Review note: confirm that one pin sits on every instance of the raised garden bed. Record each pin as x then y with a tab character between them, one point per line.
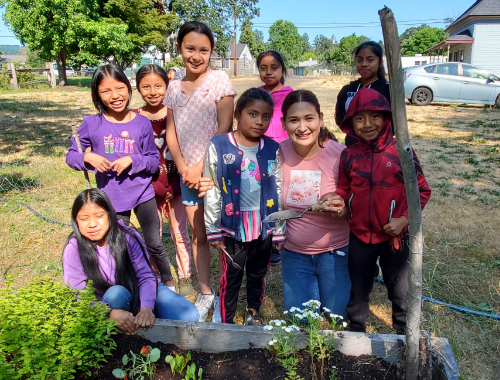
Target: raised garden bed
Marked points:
239	352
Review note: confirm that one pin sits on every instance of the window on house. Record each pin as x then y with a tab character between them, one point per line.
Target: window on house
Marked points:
424	62
417	63
461	55
225	63
447	69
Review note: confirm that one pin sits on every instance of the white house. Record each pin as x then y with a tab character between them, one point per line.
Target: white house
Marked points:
475	37
245	62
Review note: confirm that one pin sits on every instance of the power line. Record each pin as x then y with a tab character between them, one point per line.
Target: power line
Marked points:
355	23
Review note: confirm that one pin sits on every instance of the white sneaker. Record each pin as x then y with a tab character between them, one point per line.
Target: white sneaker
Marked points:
216	318
203	304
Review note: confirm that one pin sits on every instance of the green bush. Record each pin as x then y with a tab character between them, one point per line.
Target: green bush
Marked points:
49	331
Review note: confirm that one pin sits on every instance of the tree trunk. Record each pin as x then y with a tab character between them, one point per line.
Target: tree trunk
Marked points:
61	67
393	52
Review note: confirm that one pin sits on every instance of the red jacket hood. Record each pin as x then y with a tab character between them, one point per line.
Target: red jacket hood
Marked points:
368	99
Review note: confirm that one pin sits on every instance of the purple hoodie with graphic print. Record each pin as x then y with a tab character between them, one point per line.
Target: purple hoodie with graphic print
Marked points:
115	140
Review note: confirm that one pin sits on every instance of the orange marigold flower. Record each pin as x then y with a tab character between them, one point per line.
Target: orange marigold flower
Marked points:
144	350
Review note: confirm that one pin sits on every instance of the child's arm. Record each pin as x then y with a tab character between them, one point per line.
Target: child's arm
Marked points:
173	143
225	115
344	186
213	196
85	161
149	159
279	229
73	273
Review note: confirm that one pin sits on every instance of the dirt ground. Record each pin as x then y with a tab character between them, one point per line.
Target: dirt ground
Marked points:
458	147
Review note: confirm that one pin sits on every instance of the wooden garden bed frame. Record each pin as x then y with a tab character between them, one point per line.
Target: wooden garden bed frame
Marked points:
215	337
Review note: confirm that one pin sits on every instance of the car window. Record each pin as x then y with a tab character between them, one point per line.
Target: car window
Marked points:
430	69
494	77
449	69
473	72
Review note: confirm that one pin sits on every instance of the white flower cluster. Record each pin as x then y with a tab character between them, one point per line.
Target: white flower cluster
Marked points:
277	322
272	342
312	304
336	316
291	328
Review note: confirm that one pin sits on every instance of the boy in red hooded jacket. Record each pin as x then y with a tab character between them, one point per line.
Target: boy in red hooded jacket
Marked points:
371	183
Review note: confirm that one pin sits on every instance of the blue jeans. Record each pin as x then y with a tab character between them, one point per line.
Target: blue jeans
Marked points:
169	304
323	277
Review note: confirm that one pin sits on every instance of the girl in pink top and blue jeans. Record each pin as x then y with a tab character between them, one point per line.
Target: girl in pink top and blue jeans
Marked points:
314	257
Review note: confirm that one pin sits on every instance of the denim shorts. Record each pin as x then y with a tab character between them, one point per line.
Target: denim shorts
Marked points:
190	196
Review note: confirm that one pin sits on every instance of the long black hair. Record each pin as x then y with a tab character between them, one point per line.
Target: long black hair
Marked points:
197	27
278	57
148	69
307	96
375	49
117	242
248	97
109	70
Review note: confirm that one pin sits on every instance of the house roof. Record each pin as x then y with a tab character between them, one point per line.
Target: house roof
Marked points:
464	37
479	8
230	51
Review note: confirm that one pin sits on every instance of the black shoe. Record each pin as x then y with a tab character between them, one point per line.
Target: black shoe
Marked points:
254	320
275	258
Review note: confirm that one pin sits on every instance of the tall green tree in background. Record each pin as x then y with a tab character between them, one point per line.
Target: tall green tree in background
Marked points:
322	45
342	57
306	46
419	39
284	37
252	39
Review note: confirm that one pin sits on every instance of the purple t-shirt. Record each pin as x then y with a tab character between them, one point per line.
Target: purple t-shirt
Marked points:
75	276
115	140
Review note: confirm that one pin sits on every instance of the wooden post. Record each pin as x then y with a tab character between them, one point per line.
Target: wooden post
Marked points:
13	80
79	145
51	74
235	60
393	52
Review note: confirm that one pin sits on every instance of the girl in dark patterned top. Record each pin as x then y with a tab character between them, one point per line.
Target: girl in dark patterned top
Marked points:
152	82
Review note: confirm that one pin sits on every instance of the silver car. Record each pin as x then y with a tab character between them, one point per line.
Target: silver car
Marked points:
451	82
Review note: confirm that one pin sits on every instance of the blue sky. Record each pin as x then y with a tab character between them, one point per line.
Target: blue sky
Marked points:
315	12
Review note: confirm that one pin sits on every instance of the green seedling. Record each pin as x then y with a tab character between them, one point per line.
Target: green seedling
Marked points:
191	372
178	363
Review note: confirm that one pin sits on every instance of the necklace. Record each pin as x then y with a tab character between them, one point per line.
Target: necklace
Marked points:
195	82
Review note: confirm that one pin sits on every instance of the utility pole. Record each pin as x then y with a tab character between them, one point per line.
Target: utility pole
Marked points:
234	53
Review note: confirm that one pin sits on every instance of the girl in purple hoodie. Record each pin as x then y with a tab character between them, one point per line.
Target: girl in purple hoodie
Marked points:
272	71
102	249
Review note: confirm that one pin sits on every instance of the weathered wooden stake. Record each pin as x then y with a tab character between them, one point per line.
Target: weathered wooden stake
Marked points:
51	74
405	151
13	80
79	145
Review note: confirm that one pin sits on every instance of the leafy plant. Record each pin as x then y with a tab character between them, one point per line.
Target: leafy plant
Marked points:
178	363
50	331
191	372
138	365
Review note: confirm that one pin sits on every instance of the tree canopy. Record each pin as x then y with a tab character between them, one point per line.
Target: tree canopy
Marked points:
342	55
322	45
306	46
419	39
254	40
284	37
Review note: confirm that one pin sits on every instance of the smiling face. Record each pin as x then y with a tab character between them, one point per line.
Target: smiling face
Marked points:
196	51
114	95
367	64
270	71
303	124
93	223
368	124
254	119
153	88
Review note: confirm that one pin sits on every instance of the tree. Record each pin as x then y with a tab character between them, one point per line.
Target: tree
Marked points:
33	59
418	40
309	54
249	37
342	55
283	37
306	46
322	44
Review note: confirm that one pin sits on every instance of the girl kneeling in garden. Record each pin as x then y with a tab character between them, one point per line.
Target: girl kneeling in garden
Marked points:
102	249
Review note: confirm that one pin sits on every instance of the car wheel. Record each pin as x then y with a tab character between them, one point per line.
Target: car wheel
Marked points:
497	102
421	96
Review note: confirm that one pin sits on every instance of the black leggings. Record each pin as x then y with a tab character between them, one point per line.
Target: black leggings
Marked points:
147	215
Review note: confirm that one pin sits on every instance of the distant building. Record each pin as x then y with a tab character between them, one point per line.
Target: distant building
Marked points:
13	58
474	37
312	67
244	60
418	59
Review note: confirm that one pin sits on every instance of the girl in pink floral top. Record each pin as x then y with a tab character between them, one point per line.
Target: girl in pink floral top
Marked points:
199	107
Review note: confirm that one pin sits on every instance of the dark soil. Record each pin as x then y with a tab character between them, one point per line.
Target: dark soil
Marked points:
245	364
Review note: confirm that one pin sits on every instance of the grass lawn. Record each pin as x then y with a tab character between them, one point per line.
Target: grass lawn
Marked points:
458	146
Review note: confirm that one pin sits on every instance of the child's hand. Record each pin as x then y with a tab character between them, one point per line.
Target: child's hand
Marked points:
191	176
204	185
120	164
278	246
335	205
102	164
125	320
395	226
216	244
145	318
168	196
